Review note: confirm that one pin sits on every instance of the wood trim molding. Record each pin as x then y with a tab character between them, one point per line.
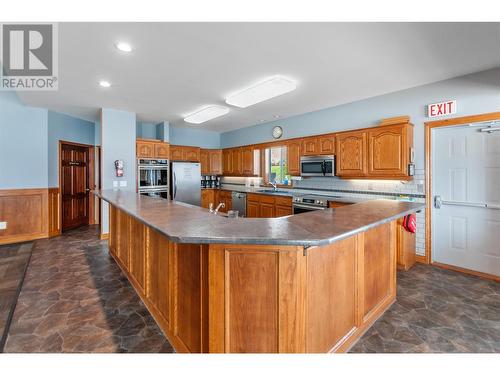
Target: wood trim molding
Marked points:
104	236
26	213
428	169
468	272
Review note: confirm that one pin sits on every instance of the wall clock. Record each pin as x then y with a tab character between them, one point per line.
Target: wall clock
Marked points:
277	132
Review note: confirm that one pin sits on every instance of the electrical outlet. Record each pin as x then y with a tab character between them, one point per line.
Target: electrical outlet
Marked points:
3	225
115	184
123	183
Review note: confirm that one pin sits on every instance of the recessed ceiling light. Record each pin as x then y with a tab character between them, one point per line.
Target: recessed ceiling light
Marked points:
276	116
206	114
262	120
124	47
104	84
260	92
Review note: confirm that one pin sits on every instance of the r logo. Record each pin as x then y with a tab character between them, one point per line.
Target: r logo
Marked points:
27	49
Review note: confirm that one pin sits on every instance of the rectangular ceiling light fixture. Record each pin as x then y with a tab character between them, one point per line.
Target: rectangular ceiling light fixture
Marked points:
265	90
206	114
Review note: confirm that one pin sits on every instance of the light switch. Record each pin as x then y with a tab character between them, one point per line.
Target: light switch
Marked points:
123	183
3	225
115	184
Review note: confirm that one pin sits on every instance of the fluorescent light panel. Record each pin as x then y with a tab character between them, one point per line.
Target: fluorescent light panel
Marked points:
207	114
262	91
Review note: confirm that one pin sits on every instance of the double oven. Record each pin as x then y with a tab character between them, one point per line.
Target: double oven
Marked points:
152	177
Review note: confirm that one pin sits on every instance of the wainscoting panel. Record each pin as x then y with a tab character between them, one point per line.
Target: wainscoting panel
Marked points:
54	212
26	214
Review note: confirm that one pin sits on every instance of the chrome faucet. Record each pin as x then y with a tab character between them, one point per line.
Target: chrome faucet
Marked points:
211	207
274	185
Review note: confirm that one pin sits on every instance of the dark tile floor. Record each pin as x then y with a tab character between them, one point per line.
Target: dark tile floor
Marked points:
13	262
437	310
75	299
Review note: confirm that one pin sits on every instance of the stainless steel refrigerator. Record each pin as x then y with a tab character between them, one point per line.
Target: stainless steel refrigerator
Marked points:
186	180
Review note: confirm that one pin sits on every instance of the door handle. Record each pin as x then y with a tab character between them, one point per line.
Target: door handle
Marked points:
175	186
438	202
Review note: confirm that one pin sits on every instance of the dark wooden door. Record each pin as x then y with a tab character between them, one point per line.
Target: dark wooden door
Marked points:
74	186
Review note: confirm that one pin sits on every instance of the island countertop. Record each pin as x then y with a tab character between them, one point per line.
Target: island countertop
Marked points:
184	223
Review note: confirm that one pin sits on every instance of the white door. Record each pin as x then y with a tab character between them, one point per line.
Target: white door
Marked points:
466	177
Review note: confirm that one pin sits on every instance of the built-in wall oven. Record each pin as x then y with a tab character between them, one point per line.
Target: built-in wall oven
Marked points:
317	166
152	177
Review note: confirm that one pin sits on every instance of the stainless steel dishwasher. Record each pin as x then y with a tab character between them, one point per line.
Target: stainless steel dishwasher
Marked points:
239	202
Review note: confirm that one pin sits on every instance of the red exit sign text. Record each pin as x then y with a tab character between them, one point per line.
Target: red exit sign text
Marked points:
441	109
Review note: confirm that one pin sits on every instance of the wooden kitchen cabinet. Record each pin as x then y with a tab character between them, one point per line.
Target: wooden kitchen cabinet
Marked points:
333	204
310	146
351	157
211	162
262	205
405	248
237	162
326	145
161	150
227	162
389	150
293	154
247	161
215	162
184	153
145	149
208	196
225	197
151	149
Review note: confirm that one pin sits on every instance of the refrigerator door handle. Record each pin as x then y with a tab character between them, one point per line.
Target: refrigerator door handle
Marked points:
175	186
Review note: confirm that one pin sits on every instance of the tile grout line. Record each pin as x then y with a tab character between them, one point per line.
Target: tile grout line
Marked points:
6	329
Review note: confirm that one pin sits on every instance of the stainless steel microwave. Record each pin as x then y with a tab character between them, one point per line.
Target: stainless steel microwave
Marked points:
321	166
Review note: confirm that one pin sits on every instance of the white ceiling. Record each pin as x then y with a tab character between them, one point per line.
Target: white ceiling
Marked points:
177	68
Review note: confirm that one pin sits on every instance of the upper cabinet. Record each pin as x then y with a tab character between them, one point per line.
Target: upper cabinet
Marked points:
151	149
247	160
238	161
381	152
318	145
184	153
227	162
389	150
211	162
293	153
352	154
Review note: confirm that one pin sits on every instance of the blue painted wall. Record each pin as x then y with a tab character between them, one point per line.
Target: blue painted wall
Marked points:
475	93
194	137
65	128
163	131
118	131
23	144
146	130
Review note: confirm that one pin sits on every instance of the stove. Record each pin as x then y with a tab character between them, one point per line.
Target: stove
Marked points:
307	203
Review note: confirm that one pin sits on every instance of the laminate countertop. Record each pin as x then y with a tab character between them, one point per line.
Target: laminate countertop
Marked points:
185	223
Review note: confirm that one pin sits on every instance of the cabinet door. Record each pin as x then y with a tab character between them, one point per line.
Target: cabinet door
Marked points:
205	161
161	150
283	211
237	165
247	161
145	150
293	152
227	157
252	209
176	153
352	154
206	197
387	151
310	146
266	209
216	162
191	153
327	145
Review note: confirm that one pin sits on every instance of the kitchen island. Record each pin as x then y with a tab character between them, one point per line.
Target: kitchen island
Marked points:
313	282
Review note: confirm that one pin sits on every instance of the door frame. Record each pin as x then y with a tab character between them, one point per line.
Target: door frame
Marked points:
91	168
429	126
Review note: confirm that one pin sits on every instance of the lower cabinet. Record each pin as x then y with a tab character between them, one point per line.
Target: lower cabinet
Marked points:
208	196
405	248
225	197
261	205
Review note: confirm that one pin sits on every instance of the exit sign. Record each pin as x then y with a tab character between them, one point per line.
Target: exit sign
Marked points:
442	109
